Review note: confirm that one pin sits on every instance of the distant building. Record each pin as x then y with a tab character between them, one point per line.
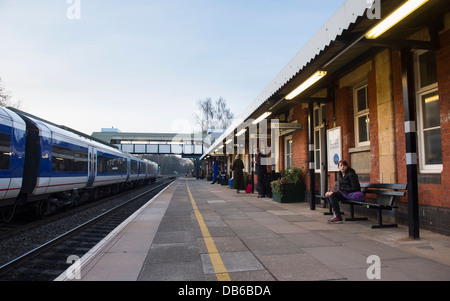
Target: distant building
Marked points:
110	130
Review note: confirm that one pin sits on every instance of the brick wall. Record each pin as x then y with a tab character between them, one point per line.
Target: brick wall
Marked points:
434	194
300	154
344	115
399	117
443	70
373	114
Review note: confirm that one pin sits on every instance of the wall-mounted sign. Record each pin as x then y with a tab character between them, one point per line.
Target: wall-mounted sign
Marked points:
334	148
287	128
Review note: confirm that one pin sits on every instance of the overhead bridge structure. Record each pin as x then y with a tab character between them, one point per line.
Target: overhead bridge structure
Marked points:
186	145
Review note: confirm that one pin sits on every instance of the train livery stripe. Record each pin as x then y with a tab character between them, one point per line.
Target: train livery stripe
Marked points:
10	189
216	260
84	181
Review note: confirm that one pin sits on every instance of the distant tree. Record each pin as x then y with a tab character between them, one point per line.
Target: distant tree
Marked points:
171	164
223	114
213	115
6	98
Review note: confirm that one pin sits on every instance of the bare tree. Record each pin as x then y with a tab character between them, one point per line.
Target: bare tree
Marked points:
6	98
223	114
206	115
213	115
4	95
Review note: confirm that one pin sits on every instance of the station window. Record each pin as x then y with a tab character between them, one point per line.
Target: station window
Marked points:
428	114
319	117
361	109
5	152
288	152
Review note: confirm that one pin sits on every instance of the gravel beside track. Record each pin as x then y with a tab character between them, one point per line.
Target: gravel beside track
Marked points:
25	241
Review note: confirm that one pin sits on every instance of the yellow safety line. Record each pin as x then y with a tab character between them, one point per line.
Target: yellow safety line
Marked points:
216	260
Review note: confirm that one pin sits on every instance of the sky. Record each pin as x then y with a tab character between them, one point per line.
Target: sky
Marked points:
142	66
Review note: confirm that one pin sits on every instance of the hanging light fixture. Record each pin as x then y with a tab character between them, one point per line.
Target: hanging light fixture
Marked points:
395	17
306	84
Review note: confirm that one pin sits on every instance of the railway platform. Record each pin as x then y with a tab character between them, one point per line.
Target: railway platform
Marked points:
195	231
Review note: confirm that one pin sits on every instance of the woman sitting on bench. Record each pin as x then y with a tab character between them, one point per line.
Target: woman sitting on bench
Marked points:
349	189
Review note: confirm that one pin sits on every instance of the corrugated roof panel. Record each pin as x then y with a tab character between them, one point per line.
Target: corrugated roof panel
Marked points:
344	16
340	21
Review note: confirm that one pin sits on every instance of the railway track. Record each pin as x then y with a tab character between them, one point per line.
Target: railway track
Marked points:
28	220
50	259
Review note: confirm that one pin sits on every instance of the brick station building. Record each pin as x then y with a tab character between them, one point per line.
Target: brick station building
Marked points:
385	97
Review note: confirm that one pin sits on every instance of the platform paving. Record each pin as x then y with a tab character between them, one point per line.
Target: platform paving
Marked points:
256	240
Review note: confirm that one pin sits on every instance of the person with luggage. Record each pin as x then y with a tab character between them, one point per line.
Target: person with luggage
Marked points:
238	178
261	172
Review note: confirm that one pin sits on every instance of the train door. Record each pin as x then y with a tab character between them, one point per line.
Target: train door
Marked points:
92	166
5	155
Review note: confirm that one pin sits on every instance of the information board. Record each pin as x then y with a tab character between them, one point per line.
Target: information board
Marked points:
334	148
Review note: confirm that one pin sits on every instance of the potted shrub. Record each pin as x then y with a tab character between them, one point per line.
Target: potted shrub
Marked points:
290	188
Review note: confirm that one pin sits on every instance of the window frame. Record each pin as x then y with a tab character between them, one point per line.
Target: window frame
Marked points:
358	114
5	151
288	155
73	159
420	92
318	125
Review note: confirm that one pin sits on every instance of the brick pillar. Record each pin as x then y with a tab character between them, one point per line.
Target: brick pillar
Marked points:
385	110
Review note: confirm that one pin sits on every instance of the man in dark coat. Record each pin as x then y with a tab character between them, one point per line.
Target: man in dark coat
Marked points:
238	178
261	174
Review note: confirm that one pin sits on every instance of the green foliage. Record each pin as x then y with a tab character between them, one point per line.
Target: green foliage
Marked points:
293	175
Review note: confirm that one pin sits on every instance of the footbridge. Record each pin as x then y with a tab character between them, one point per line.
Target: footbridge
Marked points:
187	145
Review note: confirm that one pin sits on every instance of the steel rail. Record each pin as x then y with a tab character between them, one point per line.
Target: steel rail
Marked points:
7	266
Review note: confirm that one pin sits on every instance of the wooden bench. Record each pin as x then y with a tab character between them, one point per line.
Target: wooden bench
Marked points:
391	191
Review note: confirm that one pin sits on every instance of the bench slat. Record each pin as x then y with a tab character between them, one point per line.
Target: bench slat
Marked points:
364	204
384	192
383	186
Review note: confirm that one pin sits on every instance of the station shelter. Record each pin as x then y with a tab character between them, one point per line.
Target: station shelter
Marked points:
371	87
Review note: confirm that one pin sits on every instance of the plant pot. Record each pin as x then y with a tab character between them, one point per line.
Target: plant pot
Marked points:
291	194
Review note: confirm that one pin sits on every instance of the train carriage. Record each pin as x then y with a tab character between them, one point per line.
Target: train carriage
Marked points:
153	172
55	160
111	166
12	155
49	166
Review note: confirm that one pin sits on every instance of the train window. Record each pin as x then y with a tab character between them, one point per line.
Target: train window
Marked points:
107	164
5	151
101	164
69	160
134	166
119	165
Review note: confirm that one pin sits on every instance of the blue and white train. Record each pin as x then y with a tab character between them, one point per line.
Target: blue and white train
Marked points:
45	166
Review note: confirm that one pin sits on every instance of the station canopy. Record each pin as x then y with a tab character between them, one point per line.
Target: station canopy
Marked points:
338	46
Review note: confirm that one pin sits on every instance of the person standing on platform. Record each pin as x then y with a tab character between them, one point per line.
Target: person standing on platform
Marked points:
216	170
261	172
238	178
